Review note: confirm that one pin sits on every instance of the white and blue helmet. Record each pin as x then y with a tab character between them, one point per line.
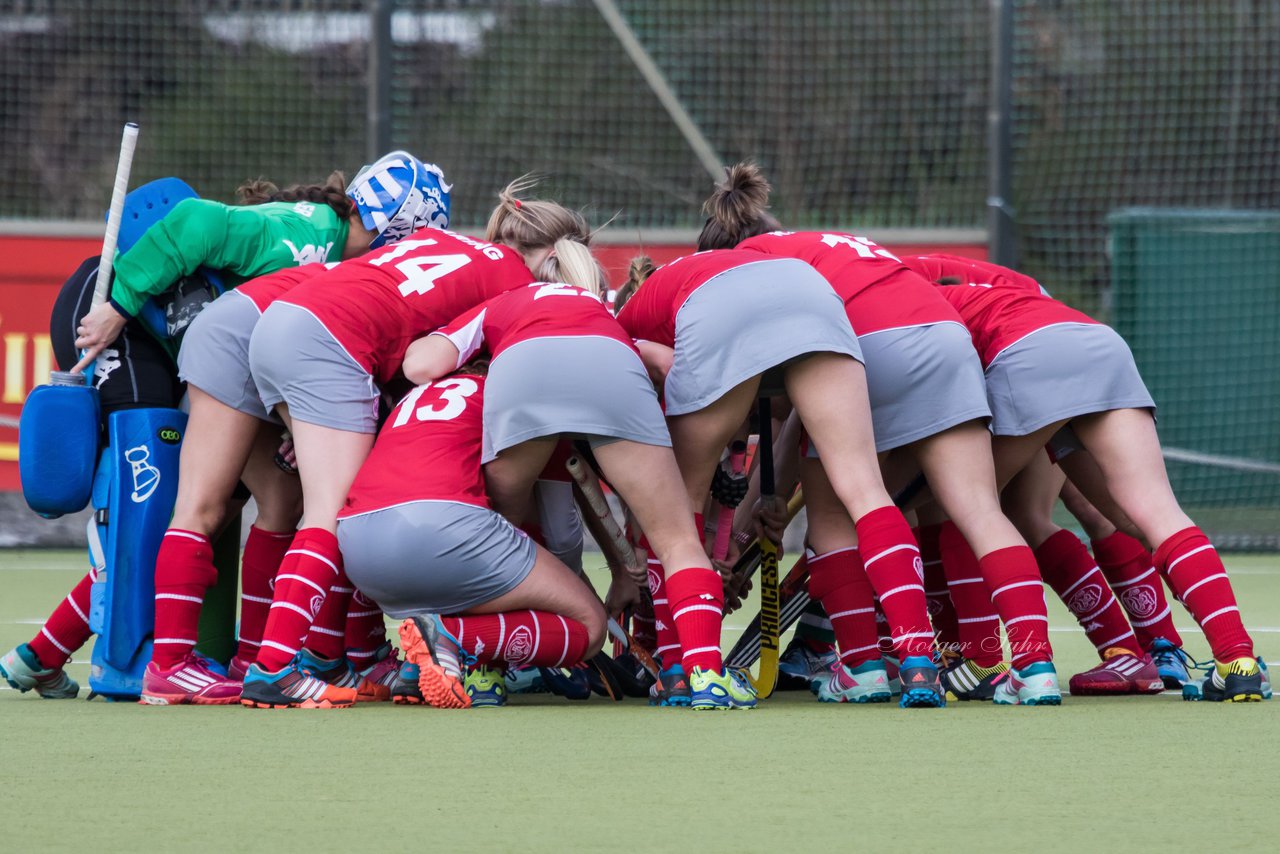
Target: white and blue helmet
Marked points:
399	194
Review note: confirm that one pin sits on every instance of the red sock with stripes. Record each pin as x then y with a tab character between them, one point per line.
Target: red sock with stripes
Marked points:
67	628
838	581
366	631
184	571
1196	574
263	551
308	570
696	598
1067	567
977	623
1018	594
532	638
896	573
1131	572
328	635
941	612
664	626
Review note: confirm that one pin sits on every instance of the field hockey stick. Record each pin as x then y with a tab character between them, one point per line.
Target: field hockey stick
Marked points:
102	286
749	561
724	524
613	542
767	677
795	598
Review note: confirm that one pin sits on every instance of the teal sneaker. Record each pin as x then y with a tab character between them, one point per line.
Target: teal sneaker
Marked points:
671	689
1034	685
485	686
918	676
524	680
866	683
22	669
727	689
405	690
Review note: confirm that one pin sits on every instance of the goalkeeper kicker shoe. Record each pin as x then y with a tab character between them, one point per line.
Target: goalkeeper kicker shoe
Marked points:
965	680
727	689
1034	685
1119	672
921	689
485	686
190	682
866	683
436	653
291	688
22	669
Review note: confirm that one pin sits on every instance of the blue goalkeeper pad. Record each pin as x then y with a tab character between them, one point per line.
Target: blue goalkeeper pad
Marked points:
58	448
133	496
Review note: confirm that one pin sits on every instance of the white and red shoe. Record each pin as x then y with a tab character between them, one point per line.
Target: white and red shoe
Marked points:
1119	672
188	683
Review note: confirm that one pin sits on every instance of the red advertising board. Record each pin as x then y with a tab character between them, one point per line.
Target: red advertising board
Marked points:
33	268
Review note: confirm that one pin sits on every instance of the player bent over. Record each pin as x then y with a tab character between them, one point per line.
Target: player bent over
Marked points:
420	538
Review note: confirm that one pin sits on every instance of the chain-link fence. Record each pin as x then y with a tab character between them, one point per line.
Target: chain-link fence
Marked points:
864	113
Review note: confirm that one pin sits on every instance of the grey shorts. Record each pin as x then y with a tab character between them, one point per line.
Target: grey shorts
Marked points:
578	386
295	360
215	354
751	321
922	380
1059	372
436	557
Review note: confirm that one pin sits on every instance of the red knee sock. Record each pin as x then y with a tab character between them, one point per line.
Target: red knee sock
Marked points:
941	612
533	638
263	551
696	598
838	581
892	561
308	570
327	637
1067	567
1018	594
1195	572
67	628
184	571
1131	572
664	626
977	623
366	631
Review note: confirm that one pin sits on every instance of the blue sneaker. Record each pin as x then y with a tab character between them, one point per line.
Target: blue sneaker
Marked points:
866	683
485	686
405	690
22	669
1171	661
921	688
671	689
524	680
291	688
727	689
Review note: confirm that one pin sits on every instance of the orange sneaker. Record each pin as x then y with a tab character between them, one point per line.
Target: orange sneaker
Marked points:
428	646
290	688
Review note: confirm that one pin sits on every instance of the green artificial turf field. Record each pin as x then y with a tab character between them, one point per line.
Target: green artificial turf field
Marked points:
543	774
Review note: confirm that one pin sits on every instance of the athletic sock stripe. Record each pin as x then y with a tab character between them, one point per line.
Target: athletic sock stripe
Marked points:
537	633
53	640
1017	620
858	649
565	653
1081	580
246	641
259	599
294	608
279	646
199	600
660	650
1142	624
845	550
1015	585
905	588
306	581
1219	613
986	619
697	649
900	638
960	581
351	614
76	608
336	589
1181	558
1134	581
851	613
687	608
186	641
1203	582
330	632
186	535
315	555
1114	640
900	547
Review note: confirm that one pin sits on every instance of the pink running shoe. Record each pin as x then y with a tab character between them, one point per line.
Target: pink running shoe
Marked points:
190	682
238	667
1120	672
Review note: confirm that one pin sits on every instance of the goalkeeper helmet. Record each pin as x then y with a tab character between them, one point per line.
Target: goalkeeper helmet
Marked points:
399	194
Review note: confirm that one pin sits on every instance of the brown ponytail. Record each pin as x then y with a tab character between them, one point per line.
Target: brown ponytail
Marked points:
333	192
737	209
528	225
641	268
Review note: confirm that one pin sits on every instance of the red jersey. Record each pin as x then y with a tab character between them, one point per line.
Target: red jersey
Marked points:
650	314
375	305
265	290
540	310
428	449
999	306
878	290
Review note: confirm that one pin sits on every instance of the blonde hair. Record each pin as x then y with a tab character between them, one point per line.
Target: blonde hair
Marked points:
737	209
641	268
528	225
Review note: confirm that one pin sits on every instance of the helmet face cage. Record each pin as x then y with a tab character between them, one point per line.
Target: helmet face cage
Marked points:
399	194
